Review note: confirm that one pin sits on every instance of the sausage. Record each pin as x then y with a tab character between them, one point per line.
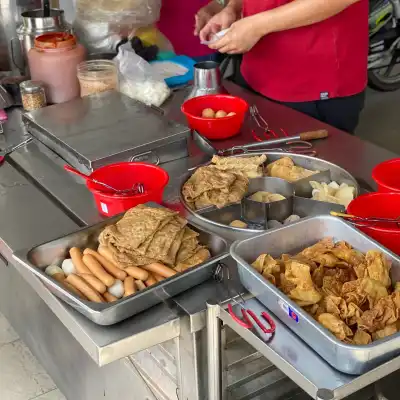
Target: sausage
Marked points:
150	280
94	282
97	270
78	283
76	257
158	277
107	254
109	266
74	290
109	297
140	285
160	269
129	286
137	273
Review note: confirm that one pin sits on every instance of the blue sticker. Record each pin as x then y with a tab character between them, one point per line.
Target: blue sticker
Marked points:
289	311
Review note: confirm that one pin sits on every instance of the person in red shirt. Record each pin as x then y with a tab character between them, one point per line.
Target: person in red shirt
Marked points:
310	55
176	23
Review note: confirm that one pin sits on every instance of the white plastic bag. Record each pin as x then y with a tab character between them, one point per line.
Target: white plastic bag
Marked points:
138	80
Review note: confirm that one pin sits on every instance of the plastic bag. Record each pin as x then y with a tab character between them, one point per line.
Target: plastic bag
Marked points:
138	80
100	24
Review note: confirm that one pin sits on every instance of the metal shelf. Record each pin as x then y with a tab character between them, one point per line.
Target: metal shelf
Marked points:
288	353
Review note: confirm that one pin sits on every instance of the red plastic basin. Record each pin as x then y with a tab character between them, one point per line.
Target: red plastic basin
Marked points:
381	205
215	128
387	175
124	175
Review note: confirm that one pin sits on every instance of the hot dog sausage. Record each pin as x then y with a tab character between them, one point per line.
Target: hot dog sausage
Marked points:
107	265
160	269
158	277
76	257
94	282
140	285
78	283
97	270
109	297
150	281
137	273
107	254
74	290
129	286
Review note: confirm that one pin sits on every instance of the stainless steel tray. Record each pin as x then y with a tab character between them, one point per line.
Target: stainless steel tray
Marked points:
211	214
93	131
290	239
38	258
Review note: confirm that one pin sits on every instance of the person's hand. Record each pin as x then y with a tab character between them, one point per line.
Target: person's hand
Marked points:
222	20
241	37
205	14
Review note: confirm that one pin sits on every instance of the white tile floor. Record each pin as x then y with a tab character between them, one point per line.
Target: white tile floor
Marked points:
21	375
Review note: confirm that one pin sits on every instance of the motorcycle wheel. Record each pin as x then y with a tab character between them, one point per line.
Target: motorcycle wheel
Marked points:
383	79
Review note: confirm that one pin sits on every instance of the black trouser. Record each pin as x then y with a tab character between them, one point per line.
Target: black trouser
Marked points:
341	112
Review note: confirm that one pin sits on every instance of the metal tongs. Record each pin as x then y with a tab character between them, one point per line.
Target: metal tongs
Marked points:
137	188
10	149
246	322
366	221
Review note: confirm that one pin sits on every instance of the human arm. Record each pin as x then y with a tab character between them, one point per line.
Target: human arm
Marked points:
221	20
205	14
244	34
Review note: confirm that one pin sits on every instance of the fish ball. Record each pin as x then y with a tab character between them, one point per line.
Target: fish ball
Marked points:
220	114
208	113
68	267
117	289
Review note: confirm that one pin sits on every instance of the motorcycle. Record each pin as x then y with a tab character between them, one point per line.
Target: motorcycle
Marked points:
384	47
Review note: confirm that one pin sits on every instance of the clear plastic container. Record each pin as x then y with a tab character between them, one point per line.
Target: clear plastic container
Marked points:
54	60
97	76
33	95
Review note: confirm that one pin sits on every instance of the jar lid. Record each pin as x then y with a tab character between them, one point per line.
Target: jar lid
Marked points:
55	41
31	86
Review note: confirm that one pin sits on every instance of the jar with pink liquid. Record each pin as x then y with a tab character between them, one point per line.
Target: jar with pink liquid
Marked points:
53	60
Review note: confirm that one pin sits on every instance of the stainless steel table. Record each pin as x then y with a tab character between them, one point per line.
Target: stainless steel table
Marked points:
162	351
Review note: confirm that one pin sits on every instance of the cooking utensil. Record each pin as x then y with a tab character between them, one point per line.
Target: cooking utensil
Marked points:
222	275
290	239
207	79
379	205
46	8
387	175
215	128
9	150
38	258
366	221
295	146
137	188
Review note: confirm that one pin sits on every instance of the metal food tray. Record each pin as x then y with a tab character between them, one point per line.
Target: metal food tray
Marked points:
209	214
291	239
38	258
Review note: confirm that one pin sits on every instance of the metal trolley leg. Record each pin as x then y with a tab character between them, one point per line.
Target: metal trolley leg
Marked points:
214	351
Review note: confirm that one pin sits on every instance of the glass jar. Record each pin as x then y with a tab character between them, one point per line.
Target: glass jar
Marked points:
97	76
33	95
54	60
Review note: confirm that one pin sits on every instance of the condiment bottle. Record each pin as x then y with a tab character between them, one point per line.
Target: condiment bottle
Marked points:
33	95
54	60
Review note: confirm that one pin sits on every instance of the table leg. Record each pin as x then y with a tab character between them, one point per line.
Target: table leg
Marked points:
214	351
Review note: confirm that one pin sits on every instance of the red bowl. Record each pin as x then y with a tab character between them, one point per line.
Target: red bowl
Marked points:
387	175
124	175
381	205
215	128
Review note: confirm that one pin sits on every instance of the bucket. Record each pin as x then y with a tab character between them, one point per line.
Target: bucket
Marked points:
387	175
124	175
381	205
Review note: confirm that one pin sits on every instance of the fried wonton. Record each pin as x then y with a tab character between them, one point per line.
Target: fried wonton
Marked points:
304	291
267	267
252	167
378	267
335	325
361	338
386	331
284	168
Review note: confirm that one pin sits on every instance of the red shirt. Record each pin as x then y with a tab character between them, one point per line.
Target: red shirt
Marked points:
320	61
177	24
